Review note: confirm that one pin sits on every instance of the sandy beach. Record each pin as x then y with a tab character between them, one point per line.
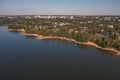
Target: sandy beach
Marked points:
117	53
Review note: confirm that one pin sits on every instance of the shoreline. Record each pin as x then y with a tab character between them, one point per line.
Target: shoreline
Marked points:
117	53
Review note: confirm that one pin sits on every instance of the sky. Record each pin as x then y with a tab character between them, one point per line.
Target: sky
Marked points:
59	7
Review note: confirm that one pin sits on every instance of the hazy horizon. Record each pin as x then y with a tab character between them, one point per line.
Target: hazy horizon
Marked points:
59	7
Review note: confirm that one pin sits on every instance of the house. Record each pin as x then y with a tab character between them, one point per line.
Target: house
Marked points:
110	26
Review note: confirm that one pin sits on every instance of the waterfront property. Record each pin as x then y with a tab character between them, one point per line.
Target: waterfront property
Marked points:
28	58
101	30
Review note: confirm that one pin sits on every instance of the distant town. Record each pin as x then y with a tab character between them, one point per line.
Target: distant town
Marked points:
102	30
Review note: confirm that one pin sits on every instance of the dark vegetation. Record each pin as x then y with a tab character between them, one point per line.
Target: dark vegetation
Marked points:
104	31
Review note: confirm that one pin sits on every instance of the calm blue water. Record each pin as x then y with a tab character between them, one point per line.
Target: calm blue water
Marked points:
26	58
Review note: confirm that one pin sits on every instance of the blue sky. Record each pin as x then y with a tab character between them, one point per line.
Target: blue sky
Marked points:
59	7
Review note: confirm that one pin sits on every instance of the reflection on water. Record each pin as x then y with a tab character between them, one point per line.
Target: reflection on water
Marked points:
58	41
108	53
30	37
27	58
82	46
66	42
